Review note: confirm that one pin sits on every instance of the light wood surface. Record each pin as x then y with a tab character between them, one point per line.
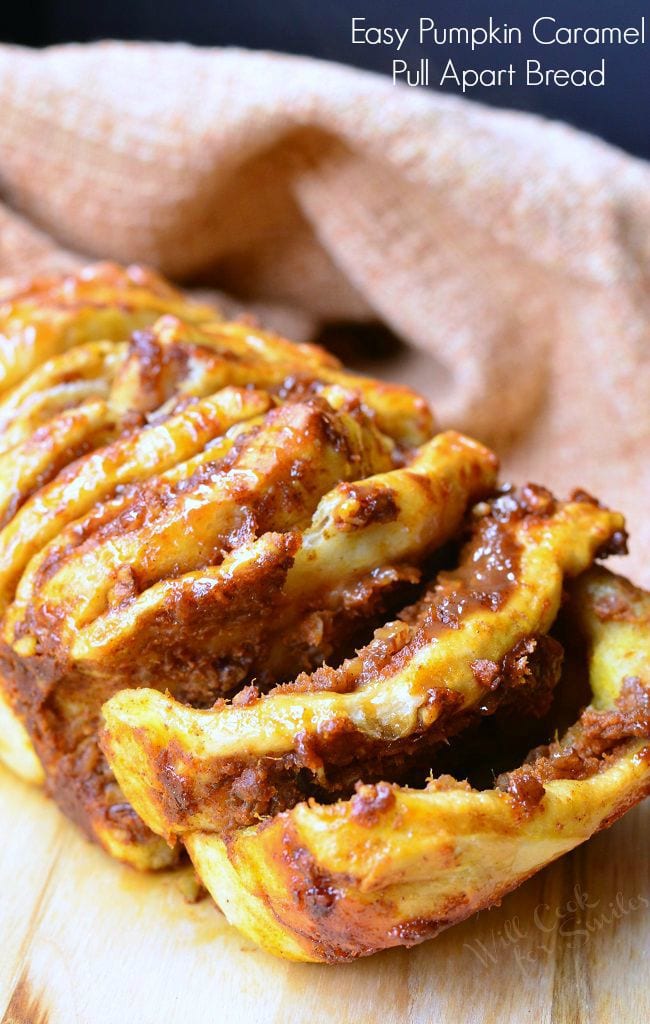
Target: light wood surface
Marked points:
87	941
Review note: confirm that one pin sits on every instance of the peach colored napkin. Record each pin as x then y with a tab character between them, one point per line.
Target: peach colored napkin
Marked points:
510	253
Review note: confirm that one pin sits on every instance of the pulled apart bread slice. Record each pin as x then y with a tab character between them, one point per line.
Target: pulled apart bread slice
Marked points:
452	656
394	866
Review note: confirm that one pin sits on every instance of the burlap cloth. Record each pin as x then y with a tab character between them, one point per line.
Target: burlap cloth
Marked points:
511	254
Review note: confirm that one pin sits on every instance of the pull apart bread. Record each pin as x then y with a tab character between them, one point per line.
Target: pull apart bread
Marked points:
254	606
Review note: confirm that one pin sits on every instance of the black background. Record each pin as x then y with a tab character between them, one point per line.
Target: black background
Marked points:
619	112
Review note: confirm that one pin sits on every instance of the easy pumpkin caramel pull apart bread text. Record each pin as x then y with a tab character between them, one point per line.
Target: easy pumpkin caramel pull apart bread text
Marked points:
255	606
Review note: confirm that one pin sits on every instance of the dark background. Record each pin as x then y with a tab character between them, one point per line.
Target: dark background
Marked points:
619	112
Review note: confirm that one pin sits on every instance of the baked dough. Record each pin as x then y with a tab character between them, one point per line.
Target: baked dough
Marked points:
300	608
394	866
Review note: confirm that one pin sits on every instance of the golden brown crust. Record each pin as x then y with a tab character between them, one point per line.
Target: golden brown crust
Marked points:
205	508
47	316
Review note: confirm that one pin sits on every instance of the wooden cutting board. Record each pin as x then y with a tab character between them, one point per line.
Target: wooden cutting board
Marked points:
87	941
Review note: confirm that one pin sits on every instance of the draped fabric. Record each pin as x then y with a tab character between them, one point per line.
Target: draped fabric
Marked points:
510	254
